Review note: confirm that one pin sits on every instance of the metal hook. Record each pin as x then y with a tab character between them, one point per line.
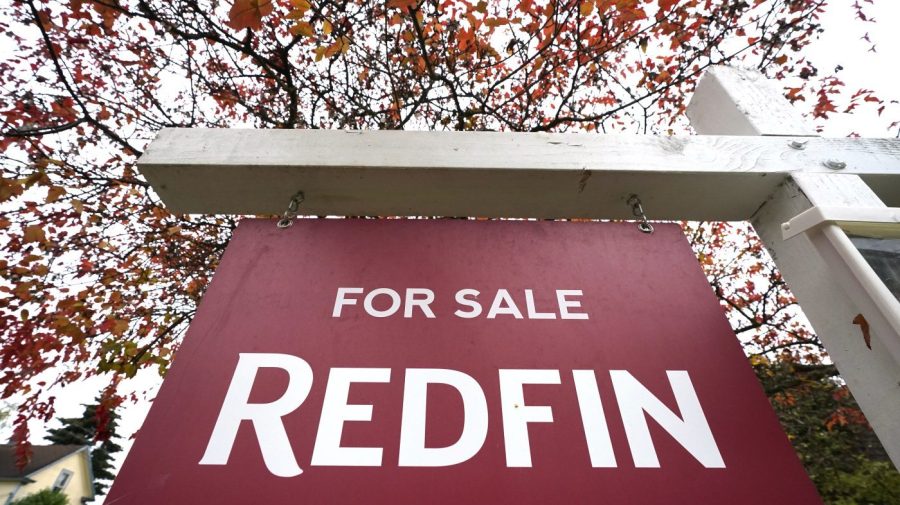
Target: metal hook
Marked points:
287	219
638	211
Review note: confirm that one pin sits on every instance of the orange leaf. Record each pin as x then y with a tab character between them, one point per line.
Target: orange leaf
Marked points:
402	4
248	13
333	49
586	8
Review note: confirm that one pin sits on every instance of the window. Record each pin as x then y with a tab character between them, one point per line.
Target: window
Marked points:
883	255
62	480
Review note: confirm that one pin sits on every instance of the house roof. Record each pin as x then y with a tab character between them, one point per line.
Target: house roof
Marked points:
42	456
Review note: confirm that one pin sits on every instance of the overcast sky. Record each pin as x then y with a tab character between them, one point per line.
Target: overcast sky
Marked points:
841	44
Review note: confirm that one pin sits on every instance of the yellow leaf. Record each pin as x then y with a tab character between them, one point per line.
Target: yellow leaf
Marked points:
35	233
302	28
10	188
320	52
757	360
301	5
586	8
326	28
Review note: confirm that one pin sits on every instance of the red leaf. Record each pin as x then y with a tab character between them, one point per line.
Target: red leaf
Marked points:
665	5
248	13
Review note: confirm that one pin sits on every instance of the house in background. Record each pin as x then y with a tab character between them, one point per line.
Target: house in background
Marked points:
63	467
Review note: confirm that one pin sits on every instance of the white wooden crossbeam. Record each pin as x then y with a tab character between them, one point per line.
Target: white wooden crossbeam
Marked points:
492	174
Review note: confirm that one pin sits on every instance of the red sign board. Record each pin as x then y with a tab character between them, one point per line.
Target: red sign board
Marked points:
449	362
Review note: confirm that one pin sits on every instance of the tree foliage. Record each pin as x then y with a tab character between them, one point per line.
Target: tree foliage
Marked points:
839	450
43	497
6	412
86	430
99	278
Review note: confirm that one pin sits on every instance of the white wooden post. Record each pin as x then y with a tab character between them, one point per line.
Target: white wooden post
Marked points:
873	375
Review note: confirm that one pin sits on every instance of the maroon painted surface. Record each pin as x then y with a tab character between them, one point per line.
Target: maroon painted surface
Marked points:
650	307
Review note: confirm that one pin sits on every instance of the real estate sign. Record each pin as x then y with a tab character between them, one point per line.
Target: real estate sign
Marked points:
460	362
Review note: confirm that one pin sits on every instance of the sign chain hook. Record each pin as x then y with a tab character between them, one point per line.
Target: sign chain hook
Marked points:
638	210
287	219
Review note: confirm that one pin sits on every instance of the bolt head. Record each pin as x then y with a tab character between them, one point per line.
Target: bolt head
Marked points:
834	164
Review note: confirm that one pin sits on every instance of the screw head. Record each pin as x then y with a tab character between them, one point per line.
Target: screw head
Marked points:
835	164
798	144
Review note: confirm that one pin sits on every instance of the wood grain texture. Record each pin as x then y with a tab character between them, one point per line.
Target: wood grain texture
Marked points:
736	101
490	174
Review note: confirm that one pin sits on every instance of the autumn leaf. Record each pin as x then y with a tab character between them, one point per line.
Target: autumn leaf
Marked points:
119	327
794	95
665	5
54	194
586	8
10	188
403	5
301	5
860	321
302	28
35	233
345	44
248	13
